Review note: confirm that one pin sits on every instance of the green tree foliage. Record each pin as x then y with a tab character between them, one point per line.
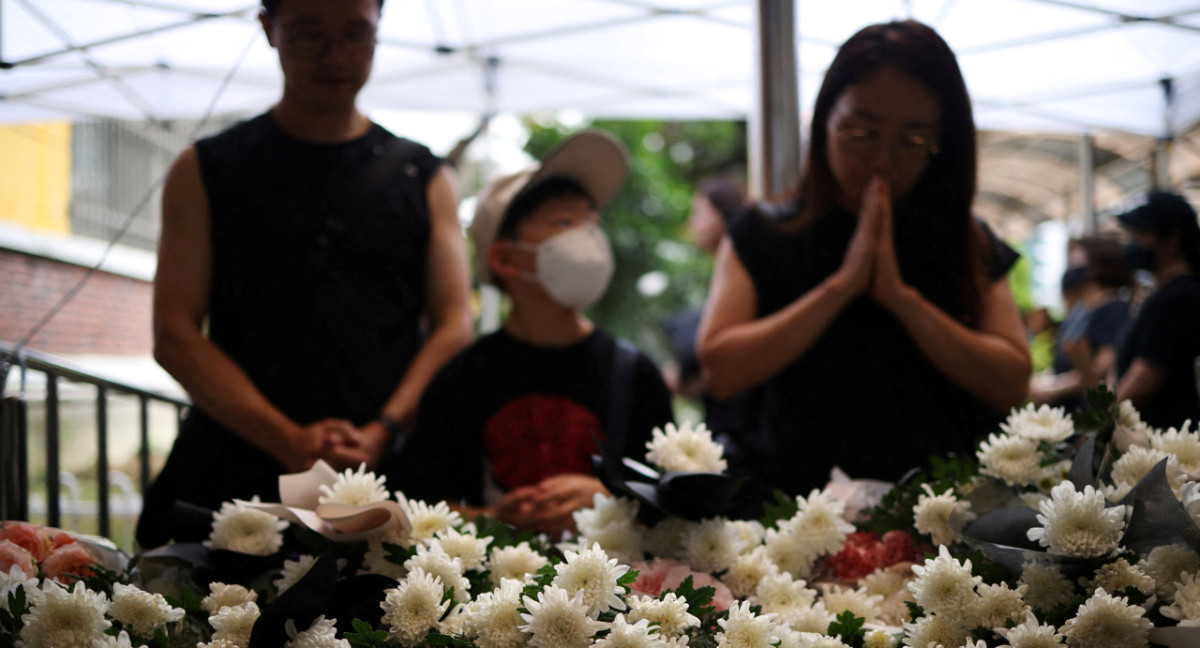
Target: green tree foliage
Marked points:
647	220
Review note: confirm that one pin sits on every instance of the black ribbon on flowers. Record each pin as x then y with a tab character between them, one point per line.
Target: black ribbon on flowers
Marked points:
1157	517
320	592
689	495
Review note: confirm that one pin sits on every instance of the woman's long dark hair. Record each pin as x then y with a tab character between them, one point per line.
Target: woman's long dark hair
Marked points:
937	211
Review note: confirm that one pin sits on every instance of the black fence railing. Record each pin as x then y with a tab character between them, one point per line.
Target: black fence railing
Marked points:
15	484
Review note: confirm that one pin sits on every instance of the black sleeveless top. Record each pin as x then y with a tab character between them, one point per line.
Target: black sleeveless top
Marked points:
318	275
863	397
319	255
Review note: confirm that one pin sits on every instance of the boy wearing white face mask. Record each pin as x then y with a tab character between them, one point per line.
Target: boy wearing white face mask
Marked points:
508	427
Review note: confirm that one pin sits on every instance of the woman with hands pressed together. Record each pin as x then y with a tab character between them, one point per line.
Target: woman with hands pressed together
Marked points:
872	306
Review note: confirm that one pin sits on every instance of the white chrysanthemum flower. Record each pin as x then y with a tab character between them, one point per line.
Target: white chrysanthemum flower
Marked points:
999	604
595	575
1182	444
1013	459
321	634
891	583
222	595
141	611
712	545
1033	500
376	560
1106	621
432	559
292	572
1128	416
877	638
622	634
820	524
752	532
233	623
934	629
944	586
559	620
778	591
670	613
1052	475
1186	608
1138	461
1046	586
745	629
412	609
665	539
468	548
623	541
218	643
519	563
122	640
15	578
1118	575
932	514
494	619
1078	524
1043	423
814	618
1166	564
685	449
352	488
605	510
237	527
788	552
455	623
62	617
1031	634
428	520
813	640
748	570
838	599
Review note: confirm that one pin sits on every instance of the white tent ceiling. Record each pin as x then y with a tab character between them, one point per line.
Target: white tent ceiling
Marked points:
1046	65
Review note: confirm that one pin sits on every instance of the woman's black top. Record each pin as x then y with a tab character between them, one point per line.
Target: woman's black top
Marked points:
863	397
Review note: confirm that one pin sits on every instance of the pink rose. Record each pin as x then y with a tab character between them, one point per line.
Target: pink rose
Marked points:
68	563
30	536
661	574
11	554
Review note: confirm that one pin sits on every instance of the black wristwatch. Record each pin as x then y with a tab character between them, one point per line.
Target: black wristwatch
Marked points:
394	430
390	424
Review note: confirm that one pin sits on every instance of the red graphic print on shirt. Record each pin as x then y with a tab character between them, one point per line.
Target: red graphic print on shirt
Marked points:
539	435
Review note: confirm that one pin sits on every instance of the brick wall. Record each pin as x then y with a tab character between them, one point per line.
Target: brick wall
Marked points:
110	315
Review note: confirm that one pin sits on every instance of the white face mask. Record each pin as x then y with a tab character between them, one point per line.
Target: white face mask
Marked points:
574	267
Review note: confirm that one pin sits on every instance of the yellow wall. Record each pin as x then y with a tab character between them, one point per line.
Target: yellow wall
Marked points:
35	176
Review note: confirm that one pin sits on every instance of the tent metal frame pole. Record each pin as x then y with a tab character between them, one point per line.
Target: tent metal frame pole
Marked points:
775	122
1087	183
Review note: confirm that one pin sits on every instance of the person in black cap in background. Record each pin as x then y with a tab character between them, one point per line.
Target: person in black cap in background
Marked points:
1155	367
508	427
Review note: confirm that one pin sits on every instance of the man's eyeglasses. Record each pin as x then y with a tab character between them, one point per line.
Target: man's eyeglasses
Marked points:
865	142
307	43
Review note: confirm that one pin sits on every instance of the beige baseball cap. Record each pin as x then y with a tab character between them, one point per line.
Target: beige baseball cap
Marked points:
593	158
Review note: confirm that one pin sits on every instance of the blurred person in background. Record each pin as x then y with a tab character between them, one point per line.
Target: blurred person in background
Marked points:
1156	363
1085	350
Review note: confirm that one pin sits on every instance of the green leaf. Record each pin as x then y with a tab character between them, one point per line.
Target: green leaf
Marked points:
848	626
783	508
364	636
699	600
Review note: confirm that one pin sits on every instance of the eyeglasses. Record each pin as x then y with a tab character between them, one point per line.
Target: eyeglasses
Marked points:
359	42
865	142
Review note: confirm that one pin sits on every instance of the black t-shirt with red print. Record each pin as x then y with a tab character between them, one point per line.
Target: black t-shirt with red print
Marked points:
521	413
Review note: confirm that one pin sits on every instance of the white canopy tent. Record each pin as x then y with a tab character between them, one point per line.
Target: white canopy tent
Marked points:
1051	65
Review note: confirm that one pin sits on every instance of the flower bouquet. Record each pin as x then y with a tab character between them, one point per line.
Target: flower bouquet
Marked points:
1083	534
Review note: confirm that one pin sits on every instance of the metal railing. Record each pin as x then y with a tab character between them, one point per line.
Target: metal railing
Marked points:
14	435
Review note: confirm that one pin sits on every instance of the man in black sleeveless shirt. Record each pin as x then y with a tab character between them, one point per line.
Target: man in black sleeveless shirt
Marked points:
312	278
